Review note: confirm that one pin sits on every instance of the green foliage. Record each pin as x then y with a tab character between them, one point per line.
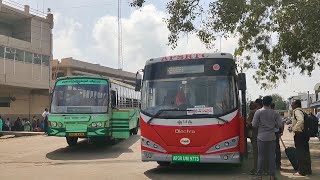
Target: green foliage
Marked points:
285	34
280	103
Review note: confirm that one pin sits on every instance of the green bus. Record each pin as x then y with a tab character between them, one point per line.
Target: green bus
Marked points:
96	108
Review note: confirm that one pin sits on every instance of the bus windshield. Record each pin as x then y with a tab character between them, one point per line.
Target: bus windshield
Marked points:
199	96
80	98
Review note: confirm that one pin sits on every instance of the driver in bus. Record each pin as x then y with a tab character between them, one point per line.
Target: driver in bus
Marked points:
181	100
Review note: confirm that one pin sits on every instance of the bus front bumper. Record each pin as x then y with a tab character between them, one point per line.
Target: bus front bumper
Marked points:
229	158
90	132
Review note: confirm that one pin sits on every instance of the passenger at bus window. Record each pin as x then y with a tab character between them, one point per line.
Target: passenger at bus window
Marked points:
181	100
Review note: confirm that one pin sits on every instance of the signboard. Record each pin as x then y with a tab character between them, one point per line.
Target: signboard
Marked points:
200	110
185	69
81	81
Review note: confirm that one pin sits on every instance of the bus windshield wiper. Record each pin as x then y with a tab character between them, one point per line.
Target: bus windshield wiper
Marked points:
223	120
219	118
164	110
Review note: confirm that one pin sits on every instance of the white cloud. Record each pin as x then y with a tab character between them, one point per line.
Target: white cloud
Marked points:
145	36
66	38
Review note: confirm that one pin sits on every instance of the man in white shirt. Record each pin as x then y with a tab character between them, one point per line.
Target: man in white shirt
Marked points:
45	119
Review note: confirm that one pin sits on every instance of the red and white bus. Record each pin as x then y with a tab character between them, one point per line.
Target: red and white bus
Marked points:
191	109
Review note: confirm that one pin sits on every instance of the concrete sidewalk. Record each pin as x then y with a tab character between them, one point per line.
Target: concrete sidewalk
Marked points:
20	133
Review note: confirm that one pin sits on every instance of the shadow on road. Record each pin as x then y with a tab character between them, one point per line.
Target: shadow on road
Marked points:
205	171
85	151
200	171
227	172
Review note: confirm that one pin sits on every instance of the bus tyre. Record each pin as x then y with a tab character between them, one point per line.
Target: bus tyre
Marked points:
136	129
72	141
163	163
113	141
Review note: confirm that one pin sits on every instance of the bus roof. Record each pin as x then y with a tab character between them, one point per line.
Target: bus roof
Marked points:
80	77
190	56
97	77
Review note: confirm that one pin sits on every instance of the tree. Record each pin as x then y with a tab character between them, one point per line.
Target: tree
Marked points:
280	104
285	34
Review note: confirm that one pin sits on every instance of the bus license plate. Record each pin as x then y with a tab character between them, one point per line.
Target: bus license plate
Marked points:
189	158
76	134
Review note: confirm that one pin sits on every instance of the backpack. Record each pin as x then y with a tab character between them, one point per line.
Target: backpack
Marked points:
310	124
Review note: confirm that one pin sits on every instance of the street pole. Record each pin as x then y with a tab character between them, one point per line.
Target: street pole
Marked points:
308	100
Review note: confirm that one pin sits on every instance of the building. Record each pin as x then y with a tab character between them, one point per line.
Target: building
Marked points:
27	71
306	101
316	103
73	67
25	53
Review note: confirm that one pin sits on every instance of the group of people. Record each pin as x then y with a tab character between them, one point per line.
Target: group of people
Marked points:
36	125
265	130
18	125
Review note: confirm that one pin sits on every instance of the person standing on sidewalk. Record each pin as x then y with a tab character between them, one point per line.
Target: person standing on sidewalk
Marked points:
265	120
254	106
301	140
1	124
278	133
45	115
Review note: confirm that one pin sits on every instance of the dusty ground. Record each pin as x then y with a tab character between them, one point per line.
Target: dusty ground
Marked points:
41	157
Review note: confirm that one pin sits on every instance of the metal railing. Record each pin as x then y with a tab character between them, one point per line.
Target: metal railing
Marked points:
22	8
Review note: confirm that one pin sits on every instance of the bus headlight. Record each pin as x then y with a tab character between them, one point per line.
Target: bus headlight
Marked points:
99	124
150	144
53	124
59	125
227	144
94	124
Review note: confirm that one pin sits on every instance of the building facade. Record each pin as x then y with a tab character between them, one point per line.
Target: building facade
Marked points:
25	53
316	103
27	71
73	67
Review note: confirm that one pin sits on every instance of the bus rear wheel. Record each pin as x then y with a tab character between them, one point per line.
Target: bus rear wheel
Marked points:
135	130
72	141
163	163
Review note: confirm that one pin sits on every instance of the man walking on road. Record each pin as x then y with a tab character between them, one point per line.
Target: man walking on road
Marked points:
301	140
265	120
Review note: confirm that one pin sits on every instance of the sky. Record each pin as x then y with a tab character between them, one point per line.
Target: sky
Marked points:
87	31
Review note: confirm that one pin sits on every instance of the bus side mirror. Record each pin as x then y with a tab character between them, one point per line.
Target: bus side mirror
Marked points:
113	99
138	80
242	83
138	85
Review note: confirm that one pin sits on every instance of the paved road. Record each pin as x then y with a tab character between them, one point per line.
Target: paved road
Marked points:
41	157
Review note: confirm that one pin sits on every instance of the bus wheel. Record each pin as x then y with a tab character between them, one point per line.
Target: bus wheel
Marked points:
136	129
163	163
111	140
72	141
